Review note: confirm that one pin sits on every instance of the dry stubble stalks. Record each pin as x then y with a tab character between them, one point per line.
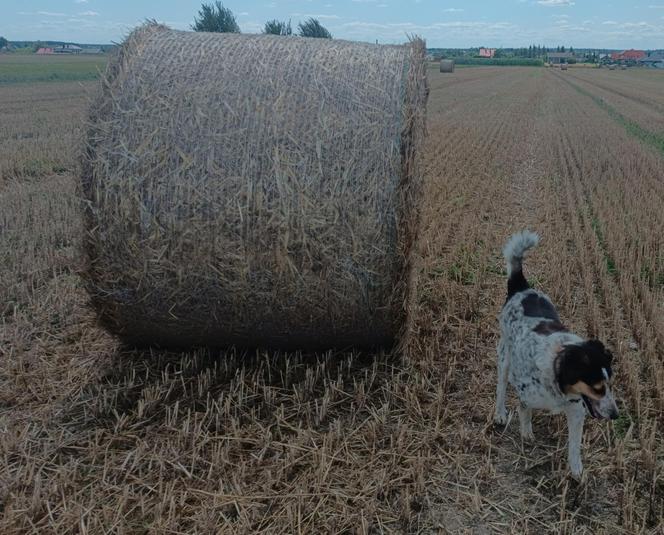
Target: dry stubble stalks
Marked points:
254	190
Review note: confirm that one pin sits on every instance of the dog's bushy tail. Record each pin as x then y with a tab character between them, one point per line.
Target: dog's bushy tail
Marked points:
514	251
516	248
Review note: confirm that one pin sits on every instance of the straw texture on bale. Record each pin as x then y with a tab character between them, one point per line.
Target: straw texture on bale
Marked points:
446	65
254	190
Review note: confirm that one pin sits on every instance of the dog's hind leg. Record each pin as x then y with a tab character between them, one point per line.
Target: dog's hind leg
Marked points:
525	423
575	416
500	416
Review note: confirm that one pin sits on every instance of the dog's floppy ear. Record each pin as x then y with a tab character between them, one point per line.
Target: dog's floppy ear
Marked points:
594	345
609	356
599	352
572	362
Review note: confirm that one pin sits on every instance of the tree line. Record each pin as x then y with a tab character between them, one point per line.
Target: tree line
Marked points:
217	18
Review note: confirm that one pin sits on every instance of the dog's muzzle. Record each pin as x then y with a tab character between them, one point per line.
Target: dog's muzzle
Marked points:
602	408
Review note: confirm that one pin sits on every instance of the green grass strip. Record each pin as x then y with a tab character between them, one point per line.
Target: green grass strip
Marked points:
29	69
611	268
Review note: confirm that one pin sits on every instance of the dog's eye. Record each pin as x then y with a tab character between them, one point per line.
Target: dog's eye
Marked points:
600	391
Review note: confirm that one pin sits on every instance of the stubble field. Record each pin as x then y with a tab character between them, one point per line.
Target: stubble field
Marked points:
95	438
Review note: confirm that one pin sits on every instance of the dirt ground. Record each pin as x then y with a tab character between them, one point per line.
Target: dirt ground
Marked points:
95	438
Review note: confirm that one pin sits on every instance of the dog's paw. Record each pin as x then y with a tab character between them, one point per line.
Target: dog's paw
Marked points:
527	435
500	417
576	470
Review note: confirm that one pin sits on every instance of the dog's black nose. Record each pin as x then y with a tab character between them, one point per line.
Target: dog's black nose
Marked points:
614	415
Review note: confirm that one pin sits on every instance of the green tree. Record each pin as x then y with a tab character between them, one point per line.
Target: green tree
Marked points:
215	18
313	28
3	42
277	27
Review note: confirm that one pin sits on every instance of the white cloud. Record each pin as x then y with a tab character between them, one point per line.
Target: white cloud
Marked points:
80	1
453	10
409	26
50	14
555	3
310	16
88	14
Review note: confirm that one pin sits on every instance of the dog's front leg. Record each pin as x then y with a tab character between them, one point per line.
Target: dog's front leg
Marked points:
575	415
500	415
526	422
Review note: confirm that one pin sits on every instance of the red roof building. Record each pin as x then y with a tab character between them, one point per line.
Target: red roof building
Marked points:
45	51
628	55
487	52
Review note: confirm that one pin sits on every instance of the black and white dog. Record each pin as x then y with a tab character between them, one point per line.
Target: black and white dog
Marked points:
550	367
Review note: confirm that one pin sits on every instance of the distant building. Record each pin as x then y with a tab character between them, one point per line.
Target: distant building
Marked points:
654	60
91	51
67	49
44	51
487	52
556	58
628	55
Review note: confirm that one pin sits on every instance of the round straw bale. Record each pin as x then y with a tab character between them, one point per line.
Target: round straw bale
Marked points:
254	190
446	65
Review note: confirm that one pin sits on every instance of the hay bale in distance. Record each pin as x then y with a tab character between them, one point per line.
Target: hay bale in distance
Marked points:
254	190
446	65
563	66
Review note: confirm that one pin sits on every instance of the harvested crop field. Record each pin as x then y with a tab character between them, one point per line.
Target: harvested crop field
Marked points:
637	93
95	438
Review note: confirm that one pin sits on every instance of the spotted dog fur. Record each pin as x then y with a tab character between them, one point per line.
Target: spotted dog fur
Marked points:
549	367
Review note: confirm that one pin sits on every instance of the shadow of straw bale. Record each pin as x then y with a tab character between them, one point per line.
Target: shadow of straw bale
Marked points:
232	387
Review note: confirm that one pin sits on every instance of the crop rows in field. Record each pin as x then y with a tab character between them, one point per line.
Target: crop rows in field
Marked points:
621	185
636	95
570	170
40	129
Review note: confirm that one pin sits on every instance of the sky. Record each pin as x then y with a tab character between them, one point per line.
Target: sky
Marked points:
443	23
